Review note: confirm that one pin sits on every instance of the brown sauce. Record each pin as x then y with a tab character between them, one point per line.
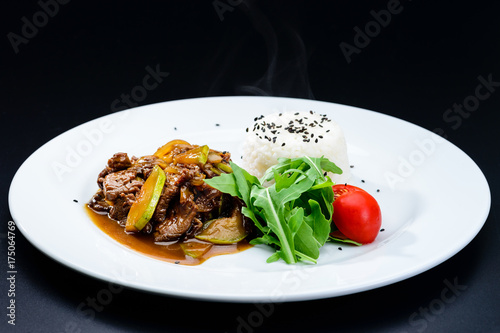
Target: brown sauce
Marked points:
171	251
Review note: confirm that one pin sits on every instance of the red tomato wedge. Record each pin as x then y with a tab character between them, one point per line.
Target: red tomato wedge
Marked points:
356	214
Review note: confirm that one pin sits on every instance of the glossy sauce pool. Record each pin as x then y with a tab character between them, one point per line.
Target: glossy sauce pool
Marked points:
166	251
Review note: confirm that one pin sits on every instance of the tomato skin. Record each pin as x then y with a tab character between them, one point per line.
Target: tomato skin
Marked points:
356	213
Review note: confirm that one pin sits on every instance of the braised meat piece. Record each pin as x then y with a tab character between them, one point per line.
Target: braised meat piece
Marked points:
145	165
191	202
207	199
121	207
177	223
121	182
99	204
185	202
169	192
119	161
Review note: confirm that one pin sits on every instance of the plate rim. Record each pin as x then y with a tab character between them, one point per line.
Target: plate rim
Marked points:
296	296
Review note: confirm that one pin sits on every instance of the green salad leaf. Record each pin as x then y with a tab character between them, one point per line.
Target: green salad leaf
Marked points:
293	215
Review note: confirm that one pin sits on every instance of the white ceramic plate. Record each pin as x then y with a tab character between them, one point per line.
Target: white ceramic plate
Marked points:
420	180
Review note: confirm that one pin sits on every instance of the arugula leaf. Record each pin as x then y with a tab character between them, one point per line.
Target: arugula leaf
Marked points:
293	215
342	240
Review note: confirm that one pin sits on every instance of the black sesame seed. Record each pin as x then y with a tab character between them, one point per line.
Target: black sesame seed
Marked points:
340	249
175	128
352	166
177	262
246	130
316	140
217	125
381	230
378	190
362	180
282	144
74	200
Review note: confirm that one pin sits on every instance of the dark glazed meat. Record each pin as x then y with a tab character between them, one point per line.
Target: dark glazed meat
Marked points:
177	223
99	204
145	165
121	208
208	199
117	162
169	192
121	182
185	202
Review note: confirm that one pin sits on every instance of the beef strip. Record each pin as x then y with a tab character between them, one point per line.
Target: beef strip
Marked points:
196	226
207	199
190	171
177	222
173	183
145	165
121	207
117	162
184	204
98	204
178	187
121	182
169	192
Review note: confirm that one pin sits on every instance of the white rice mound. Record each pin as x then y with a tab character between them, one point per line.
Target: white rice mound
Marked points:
291	135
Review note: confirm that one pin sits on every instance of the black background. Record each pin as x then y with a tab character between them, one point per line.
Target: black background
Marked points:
80	60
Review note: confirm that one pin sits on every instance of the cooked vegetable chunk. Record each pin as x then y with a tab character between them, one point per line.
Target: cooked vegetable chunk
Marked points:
143	208
195	249
225	230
